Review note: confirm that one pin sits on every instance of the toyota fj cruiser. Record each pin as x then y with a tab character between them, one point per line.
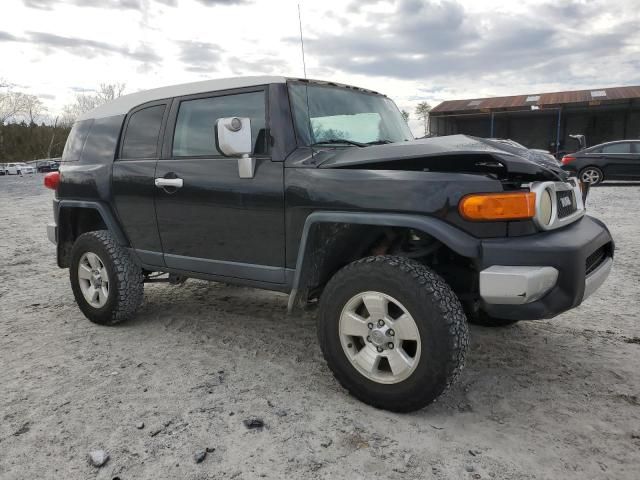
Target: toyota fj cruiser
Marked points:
320	190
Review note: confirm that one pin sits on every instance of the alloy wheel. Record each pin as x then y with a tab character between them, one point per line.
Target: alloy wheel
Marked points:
93	279
380	337
591	175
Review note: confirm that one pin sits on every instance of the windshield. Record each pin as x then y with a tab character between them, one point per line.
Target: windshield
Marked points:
338	113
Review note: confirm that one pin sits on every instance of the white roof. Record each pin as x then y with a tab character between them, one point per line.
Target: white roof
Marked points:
122	105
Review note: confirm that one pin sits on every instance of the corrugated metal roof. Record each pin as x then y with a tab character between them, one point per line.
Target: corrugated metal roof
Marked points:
544	99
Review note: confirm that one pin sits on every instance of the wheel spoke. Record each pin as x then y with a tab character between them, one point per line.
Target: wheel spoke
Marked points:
93	260
104	291
367	359
405	328
103	274
84	272
399	362
92	294
376	305
353	325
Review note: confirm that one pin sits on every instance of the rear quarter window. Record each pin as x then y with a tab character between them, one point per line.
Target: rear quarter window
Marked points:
102	140
75	142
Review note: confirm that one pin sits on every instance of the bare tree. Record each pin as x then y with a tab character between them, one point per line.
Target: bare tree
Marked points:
33	108
405	115
422	112
109	91
87	101
12	104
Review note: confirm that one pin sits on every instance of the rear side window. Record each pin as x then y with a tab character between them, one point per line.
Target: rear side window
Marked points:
143	129
75	141
617	148
195	135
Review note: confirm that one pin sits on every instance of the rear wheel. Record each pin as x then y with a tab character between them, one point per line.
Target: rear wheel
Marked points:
591	175
107	284
393	332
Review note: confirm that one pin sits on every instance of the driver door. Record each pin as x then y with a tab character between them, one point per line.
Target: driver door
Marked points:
217	223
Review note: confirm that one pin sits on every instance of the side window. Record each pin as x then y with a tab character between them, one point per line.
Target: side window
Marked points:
143	129
75	141
617	148
195	126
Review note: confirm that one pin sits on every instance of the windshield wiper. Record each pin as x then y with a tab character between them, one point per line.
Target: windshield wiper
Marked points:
339	140
384	141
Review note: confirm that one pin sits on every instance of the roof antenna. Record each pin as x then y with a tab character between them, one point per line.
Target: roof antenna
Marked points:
304	65
306	87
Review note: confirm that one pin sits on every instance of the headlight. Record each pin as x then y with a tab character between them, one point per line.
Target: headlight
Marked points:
546	207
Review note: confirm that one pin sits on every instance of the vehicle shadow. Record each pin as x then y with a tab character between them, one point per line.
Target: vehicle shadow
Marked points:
617	184
508	370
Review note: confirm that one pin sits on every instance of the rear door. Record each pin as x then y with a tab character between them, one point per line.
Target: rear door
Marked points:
635	163
216	222
133	179
619	160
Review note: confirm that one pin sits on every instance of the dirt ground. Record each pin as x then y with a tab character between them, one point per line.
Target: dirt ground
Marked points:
555	399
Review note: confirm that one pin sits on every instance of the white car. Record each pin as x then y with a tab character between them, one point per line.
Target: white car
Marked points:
26	168
18	169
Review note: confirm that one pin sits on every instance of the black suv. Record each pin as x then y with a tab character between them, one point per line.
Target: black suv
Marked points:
319	190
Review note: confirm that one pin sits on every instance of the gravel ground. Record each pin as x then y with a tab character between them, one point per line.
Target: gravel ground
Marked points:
546	399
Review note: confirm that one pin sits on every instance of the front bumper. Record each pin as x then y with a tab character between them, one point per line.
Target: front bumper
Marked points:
543	275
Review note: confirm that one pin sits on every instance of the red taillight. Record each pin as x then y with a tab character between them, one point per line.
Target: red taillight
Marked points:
567	159
52	180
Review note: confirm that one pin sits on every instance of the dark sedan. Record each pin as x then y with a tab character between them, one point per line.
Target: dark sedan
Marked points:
608	161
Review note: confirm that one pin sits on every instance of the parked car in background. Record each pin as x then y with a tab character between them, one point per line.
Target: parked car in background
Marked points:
18	169
2	170
12	169
51	165
618	160
27	168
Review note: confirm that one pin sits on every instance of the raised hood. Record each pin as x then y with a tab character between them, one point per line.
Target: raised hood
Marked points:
457	153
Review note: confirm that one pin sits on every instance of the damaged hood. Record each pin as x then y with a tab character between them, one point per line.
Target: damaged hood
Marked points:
460	153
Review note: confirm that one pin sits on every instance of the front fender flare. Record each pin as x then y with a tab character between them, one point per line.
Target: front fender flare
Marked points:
460	242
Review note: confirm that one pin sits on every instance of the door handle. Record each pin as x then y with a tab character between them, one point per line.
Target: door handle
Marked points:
169	182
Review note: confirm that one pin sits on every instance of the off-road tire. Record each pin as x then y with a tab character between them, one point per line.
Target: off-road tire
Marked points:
126	286
481	318
436	310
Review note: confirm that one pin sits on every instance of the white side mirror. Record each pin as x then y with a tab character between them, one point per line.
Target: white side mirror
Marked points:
233	136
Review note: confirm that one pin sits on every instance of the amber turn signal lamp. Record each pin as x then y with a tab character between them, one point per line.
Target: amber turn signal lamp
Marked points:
482	207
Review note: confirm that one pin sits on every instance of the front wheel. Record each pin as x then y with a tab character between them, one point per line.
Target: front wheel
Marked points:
107	284
393	332
591	175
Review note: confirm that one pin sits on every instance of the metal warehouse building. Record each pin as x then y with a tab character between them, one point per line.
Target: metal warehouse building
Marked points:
545	120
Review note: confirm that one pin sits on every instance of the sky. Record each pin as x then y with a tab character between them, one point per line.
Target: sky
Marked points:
411	50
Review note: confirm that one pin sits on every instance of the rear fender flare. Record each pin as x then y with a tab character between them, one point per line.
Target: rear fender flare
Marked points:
457	240
107	217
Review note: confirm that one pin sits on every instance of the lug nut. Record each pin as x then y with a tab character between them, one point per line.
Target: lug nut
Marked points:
368	338
381	323
391	333
380	349
390	345
370	326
